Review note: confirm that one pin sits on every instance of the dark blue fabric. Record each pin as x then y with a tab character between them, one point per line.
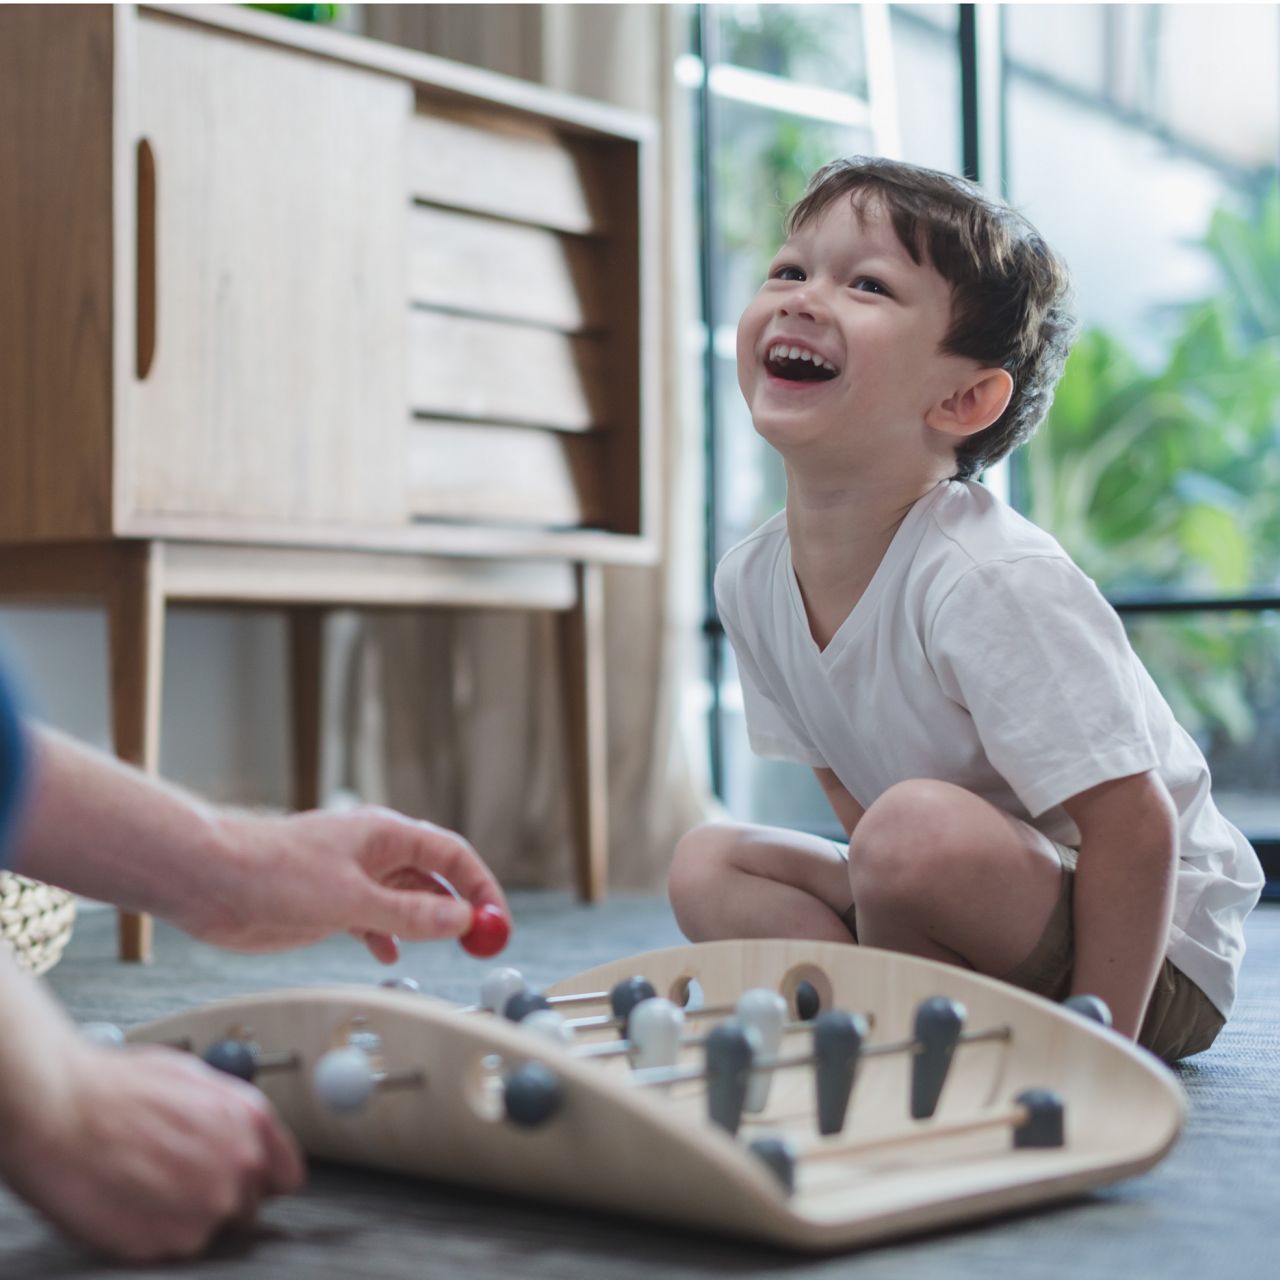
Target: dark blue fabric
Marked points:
12	769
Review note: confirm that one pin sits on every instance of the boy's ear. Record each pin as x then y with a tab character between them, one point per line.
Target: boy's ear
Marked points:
974	405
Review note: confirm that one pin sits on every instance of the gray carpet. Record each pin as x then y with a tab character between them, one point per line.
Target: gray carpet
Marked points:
1207	1209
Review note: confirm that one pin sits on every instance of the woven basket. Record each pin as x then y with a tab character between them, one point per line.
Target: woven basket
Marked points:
35	921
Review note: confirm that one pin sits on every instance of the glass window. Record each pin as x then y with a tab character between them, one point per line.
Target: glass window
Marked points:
927	73
1220	672
810	44
1158	465
1214	78
1175	67
1065	41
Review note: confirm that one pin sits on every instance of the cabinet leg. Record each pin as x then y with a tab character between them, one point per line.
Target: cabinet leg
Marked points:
135	631
306	689
582	660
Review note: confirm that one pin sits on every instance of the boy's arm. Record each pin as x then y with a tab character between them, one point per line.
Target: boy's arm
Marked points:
848	810
1123	892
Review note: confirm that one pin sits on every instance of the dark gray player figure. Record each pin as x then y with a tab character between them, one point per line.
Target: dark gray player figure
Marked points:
837	1049
730	1056
939	1022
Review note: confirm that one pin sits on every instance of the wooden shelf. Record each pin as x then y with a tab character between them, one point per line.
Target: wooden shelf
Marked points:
291	317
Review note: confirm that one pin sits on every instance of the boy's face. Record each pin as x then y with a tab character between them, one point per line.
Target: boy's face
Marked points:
860	324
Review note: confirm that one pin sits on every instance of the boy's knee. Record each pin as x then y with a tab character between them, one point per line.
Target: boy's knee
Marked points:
902	844
702	852
701	859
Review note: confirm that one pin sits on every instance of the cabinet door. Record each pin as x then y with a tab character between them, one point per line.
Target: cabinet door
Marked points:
276	392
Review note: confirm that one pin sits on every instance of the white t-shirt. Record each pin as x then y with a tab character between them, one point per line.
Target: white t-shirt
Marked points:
980	655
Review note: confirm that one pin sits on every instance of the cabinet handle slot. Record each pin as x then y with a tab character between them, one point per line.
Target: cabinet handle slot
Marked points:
146	302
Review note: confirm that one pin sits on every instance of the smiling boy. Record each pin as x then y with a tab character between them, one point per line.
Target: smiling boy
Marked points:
1017	795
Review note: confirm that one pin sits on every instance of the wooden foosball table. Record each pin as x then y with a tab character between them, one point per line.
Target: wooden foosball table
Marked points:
817	1096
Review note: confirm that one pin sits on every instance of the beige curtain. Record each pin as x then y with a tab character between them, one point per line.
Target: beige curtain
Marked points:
456	716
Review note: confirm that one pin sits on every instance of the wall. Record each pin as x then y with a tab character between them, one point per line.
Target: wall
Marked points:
223	732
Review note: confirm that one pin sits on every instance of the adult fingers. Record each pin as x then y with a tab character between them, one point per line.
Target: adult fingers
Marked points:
278	1168
429	848
384	947
286	1169
415	915
277	1165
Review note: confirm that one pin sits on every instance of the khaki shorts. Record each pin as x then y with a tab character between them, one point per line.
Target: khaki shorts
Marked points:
1181	1019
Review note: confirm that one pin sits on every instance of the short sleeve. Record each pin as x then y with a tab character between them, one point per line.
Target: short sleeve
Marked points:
773	730
1039	659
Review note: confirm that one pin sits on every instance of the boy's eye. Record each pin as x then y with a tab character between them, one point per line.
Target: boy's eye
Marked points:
869	284
787	272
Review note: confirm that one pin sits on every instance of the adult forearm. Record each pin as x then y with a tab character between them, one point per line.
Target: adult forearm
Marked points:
1123	905
255	882
38	1033
104	830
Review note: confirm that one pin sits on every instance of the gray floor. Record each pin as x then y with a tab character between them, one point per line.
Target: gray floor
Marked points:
1209	1208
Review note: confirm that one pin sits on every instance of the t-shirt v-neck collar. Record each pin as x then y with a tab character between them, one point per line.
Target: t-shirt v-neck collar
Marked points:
899	551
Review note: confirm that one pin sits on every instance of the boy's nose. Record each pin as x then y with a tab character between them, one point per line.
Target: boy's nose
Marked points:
802	314
803	304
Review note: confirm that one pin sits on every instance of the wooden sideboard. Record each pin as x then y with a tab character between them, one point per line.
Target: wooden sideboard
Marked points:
293	319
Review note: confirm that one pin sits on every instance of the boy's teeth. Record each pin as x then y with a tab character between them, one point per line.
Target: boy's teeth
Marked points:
783	352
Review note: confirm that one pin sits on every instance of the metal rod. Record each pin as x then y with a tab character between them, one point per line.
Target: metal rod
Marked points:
1010	1119
413	1079
914	1047
277	1062
615	1048
605	1020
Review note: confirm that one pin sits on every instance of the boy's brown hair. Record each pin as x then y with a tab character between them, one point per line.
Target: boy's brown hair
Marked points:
1010	293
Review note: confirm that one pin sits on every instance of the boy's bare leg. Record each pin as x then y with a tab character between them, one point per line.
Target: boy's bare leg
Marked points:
935	871
941	873
734	880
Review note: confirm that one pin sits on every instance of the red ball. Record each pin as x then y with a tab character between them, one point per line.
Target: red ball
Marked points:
489	931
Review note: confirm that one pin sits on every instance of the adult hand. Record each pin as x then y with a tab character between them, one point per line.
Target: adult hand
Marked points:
370	871
144	1153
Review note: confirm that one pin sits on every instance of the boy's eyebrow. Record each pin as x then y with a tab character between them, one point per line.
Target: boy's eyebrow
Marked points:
902	266
893	251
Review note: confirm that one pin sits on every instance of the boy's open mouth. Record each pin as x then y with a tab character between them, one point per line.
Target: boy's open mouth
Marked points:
795	364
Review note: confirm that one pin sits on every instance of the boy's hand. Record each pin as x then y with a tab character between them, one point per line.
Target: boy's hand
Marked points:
145	1153
370	872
